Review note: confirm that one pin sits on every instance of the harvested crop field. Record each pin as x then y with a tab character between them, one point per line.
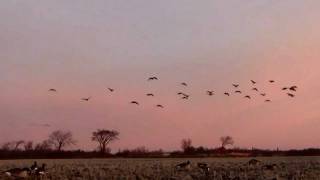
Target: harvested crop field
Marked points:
139	169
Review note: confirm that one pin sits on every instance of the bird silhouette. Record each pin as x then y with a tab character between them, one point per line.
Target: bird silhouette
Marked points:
235	85
291	95
210	93
152	78
255	89
247	96
184	84
238	92
53	90
293	88
263	94
185	96
86	99
285	88
227	94
150	94
253	82
110	89
159	106
271	81
267	100
134	102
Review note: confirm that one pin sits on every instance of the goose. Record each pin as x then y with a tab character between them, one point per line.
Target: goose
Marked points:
267	100
284	88
184	84
254	162
183	166
291	95
152	78
204	167
185	96
247	96
86	99
263	94
41	170
34	166
18	172
110	89
227	94
134	102
210	93
150	94
255	89
235	85
293	88
253	82
159	106
238	92
53	90
271	81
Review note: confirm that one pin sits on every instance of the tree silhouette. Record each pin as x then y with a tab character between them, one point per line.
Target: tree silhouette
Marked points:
60	139
226	140
28	146
104	137
186	145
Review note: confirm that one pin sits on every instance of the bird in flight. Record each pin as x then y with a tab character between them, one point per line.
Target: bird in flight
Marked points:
293	88
181	93
150	94
284	88
210	93
152	78
253	82
271	81
185	96
86	99
184	84
53	90
235	85
134	102
238	92
255	89
110	89
263	94
267	100
291	95
247	96
159	106
227	94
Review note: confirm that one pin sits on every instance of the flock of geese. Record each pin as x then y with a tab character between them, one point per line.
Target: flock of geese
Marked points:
289	90
33	171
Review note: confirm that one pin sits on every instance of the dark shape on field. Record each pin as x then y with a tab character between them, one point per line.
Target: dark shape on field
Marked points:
291	95
134	102
61	139
104	137
150	94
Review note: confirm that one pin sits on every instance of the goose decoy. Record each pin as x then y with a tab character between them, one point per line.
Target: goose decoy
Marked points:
291	95
235	85
53	90
150	94
159	106
253	82
255	89
254	162
18	172
86	99
152	78
227	94
271	81
247	96
134	102
41	170
110	89
204	167
238	92
183	166
293	88
184	84
34	167
263	94
210	93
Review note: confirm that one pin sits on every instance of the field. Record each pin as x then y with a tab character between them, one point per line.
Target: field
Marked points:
139	169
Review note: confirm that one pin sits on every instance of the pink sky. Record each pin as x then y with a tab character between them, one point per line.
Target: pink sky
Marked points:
81	48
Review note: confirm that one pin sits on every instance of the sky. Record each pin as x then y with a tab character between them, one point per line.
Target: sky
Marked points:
82	47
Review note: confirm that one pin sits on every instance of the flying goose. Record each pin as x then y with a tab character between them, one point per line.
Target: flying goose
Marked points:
110	89
159	106
134	102
185	96
86	99
263	94
53	90
291	95
227	94
238	92
255	89
285	88
271	81
152	78
210	93
247	96
150	94
253	82
184	84
235	85
267	100
293	88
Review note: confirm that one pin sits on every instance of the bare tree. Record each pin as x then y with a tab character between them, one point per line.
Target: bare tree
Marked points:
104	137
12	146
28	146
226	140
186	144
43	146
61	139
7	146
17	144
